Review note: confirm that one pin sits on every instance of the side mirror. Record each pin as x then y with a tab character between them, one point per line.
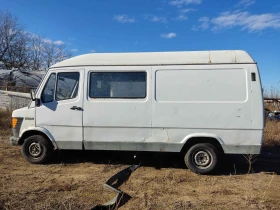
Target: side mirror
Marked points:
32	93
37	101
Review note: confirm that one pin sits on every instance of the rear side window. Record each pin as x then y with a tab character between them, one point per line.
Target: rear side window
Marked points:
67	85
48	92
118	85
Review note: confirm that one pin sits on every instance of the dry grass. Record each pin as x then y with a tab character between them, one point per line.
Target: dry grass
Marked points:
272	128
79	186
5	121
272	134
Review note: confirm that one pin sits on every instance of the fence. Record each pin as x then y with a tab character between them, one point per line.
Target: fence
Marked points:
15	99
22	89
18	102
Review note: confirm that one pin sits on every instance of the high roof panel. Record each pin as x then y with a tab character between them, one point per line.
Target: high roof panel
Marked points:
158	58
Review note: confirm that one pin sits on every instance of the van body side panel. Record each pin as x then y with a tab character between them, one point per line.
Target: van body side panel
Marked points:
116	120
173	140
258	115
210	99
202	97
191	101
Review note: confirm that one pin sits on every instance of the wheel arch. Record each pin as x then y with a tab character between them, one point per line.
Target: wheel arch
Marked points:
37	131
196	139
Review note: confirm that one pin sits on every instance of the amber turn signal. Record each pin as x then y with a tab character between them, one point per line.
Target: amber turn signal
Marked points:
14	122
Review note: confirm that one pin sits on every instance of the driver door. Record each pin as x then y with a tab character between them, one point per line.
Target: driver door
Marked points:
61	107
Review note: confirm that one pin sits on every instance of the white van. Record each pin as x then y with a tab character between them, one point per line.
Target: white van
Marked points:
201	104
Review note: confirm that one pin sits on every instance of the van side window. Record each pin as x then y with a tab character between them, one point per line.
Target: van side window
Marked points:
118	85
48	92
67	85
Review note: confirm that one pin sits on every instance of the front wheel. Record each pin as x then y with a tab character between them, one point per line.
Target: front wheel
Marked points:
37	149
202	158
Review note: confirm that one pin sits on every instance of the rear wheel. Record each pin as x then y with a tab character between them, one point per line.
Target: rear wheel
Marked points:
37	149
202	158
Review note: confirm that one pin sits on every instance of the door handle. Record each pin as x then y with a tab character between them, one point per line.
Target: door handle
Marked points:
76	108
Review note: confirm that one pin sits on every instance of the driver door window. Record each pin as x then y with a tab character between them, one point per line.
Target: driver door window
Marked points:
67	85
64	87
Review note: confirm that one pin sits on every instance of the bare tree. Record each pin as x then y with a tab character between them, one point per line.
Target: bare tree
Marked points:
12	40
54	53
45	52
62	53
18	55
36	56
24	50
50	53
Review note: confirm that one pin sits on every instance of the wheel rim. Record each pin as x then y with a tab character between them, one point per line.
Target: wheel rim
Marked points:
203	159
35	149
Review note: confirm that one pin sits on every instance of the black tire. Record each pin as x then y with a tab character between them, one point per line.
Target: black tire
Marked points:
37	149
202	158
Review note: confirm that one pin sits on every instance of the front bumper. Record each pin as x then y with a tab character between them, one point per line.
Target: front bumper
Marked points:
14	140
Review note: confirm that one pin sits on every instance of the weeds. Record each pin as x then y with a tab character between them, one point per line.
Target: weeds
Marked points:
268	187
272	134
5	121
250	160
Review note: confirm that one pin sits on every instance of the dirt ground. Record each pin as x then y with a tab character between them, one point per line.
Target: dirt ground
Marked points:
74	180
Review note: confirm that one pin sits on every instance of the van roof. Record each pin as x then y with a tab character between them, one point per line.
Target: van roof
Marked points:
158	58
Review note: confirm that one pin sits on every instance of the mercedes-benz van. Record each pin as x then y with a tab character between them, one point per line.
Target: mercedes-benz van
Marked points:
201	103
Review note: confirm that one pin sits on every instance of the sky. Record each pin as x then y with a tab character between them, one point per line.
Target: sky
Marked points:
95	26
